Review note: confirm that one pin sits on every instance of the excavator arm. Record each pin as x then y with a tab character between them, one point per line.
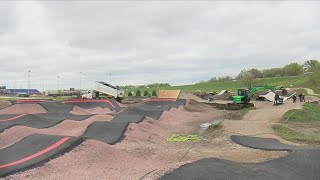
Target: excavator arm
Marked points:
245	97
255	89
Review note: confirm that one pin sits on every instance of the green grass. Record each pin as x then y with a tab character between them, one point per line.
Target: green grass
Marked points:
9	99
183	138
307	117
293	135
58	98
310	112
297	81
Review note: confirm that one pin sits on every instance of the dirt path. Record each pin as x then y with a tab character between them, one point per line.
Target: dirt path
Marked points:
191	96
311	92
259	122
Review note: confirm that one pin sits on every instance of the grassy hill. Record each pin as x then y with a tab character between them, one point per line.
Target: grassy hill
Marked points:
296	81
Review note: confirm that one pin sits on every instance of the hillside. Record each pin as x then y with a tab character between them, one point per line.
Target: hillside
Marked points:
296	82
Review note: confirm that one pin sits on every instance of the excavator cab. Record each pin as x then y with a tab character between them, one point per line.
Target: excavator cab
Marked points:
243	92
242	97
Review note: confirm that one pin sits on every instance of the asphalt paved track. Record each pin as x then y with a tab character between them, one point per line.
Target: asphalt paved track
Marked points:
128	118
138	111
56	107
5	117
268	144
43	120
153	109
33	151
88	104
173	104
109	132
301	163
112	132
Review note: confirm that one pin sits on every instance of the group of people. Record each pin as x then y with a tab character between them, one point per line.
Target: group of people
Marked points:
276	99
301	98
294	98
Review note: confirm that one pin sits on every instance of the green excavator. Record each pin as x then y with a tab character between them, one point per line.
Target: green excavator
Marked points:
242	99
244	95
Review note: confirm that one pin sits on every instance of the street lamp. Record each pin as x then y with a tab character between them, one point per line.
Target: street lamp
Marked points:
29	82
58	77
80	84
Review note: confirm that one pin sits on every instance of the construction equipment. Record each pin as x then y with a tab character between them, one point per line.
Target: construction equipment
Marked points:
242	99
104	88
244	95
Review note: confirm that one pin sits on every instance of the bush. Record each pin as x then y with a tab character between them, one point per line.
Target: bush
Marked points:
293	69
154	93
146	93
130	93
138	93
315	79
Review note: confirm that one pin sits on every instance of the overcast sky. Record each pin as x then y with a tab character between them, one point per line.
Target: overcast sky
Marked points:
145	42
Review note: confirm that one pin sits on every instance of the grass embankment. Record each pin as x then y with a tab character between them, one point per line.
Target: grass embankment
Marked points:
301	125
296	82
238	115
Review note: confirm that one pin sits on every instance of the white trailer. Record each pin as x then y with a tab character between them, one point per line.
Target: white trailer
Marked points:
104	88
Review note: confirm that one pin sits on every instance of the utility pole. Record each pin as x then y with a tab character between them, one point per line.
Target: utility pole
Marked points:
29	81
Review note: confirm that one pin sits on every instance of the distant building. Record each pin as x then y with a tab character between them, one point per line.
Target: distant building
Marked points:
22	92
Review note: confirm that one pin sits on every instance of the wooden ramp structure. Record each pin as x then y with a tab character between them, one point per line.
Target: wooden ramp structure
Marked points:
169	94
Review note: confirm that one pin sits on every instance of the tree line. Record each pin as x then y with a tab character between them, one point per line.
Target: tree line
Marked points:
292	69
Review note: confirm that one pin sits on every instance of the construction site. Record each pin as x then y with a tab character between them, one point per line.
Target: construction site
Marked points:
176	135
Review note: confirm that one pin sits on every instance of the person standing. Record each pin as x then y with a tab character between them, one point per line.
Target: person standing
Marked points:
300	97
294	98
276	99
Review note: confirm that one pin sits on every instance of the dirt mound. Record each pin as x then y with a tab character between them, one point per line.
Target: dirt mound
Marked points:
65	128
147	130
4	104
190	96
156	130
23	109
97	110
93	160
195	106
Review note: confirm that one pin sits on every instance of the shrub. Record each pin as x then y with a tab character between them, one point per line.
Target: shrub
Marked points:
138	93
146	93
154	93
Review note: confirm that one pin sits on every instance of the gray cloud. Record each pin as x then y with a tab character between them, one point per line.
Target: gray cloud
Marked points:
146	42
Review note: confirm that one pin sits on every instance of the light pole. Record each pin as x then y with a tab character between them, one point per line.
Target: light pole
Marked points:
80	85
29	81
58	77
